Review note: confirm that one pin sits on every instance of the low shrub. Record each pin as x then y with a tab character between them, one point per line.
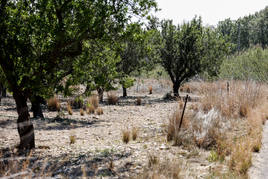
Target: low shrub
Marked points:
77	103
112	98
138	101
93	101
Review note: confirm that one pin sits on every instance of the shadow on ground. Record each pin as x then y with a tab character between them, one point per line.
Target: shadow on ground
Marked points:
100	164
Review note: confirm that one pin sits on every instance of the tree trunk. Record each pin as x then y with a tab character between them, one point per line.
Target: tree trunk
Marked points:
4	92
36	107
124	91
25	126
176	87
100	93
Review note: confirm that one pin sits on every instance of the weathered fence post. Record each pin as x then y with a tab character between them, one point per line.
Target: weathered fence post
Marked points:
228	87
187	96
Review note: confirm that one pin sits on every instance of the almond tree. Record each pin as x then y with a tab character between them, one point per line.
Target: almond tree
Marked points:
181	51
39	39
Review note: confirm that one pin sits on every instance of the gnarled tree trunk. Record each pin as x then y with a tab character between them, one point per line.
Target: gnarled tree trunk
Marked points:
36	106
25	126
124	91
100	93
176	87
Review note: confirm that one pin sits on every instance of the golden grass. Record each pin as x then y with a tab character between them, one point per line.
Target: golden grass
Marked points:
242	100
53	104
234	103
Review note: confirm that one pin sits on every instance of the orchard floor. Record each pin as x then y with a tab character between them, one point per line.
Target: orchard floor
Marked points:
98	150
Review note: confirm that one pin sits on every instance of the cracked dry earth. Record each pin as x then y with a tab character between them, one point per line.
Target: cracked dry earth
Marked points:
98	151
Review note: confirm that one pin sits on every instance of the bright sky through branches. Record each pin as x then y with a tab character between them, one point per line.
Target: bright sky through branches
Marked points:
211	11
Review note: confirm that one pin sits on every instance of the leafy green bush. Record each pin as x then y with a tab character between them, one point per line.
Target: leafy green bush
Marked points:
249	65
78	102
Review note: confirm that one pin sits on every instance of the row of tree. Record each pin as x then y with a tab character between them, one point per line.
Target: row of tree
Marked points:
47	46
246	31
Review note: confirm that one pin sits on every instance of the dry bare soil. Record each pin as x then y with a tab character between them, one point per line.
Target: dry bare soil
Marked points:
92	145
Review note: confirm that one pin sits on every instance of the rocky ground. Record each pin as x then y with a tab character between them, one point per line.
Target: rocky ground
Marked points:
98	150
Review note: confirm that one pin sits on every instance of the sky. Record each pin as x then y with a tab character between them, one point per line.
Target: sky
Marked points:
211	11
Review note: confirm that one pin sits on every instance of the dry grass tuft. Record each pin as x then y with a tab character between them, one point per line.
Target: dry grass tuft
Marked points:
244	110
138	101
112	98
94	101
99	111
134	133
152	160
125	136
150	88
240	159
69	109
161	169
174	122
90	109
181	104
82	112
53	104
72	139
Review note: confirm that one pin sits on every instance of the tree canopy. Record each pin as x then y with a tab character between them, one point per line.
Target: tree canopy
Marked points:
39	40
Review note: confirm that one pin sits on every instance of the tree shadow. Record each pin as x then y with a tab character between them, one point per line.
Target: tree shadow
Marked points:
99	164
62	123
145	100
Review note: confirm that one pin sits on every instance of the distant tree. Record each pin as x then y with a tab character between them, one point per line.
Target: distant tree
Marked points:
182	51
262	30
96	68
138	51
215	48
39	39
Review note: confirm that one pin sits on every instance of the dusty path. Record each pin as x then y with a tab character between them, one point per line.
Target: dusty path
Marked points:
259	169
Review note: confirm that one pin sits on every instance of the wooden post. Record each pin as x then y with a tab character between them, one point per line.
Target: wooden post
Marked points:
228	87
187	96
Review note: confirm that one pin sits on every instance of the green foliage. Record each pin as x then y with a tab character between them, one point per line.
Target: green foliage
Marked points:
182	50
249	65
216	47
78	102
139	51
96	68
127	81
39	39
247	31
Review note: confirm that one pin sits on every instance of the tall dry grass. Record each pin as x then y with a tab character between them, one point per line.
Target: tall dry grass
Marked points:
233	103
241	100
